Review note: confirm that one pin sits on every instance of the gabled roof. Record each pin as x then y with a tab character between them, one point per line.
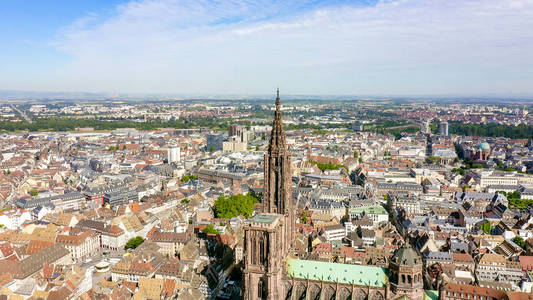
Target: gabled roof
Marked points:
336	272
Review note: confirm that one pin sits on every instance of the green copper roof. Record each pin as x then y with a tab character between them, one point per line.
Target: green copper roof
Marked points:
376	209
264	218
335	272
432	295
484	146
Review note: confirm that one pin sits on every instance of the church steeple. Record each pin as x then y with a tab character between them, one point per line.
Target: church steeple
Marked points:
278	102
277	136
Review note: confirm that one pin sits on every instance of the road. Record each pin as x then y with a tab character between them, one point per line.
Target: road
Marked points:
23	114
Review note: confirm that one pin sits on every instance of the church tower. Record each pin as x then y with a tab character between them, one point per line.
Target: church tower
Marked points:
268	235
406	273
277	193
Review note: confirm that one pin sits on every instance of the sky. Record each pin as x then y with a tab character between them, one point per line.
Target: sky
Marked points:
245	47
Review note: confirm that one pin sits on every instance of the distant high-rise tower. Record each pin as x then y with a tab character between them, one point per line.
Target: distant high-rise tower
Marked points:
239	132
173	153
443	129
268	235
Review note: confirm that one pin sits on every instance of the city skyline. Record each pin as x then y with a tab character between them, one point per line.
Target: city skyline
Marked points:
377	48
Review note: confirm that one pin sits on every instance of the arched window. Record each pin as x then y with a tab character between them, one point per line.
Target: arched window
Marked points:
403	278
409	279
261	251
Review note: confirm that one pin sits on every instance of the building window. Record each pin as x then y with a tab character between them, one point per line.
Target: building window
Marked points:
261	289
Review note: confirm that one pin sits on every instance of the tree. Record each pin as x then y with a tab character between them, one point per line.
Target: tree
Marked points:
328	166
210	229
360	160
520	242
34	192
211	149
228	207
187	178
459	171
355	154
303	217
134	243
486	227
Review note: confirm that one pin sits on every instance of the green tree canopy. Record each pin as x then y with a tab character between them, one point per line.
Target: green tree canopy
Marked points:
134	243
303	217
486	227
231	206
328	166
520	242
187	178
210	229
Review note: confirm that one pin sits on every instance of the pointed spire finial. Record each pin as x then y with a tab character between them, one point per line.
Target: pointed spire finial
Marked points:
278	102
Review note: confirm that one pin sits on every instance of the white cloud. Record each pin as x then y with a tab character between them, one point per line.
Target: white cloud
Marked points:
392	47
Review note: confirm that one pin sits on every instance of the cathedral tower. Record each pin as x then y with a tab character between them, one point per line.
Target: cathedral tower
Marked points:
406	273
268	235
277	193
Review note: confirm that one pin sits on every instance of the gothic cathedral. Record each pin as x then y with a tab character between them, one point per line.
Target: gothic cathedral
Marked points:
271	274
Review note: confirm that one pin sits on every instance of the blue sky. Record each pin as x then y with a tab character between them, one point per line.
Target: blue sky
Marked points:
387	47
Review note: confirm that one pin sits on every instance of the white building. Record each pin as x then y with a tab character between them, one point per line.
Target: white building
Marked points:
173	154
13	219
334	232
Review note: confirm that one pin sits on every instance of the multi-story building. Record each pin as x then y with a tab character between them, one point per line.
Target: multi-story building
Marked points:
12	219
490	266
334	209
81	245
67	201
334	232
21	269
119	197
170	243
113	238
443	128
453	291
376	213
411	205
173	154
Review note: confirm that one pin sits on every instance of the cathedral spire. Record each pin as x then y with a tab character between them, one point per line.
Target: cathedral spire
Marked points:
277	136
278	102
